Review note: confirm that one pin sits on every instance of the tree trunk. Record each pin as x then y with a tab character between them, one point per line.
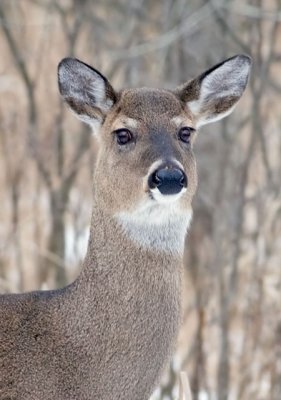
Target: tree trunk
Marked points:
53	272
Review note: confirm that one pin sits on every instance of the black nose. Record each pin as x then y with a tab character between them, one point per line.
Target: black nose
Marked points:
168	180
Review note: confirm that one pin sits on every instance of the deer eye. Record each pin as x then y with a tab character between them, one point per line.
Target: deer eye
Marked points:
123	136
184	134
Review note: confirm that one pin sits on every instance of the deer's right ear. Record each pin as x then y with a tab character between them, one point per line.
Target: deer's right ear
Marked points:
215	93
87	92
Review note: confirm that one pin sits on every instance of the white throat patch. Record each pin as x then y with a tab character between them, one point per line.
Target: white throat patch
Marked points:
157	226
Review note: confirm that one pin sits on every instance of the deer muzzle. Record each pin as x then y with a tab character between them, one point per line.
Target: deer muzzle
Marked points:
168	179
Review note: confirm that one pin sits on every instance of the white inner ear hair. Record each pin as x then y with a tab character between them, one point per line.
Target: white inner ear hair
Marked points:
98	90
157	226
227	80
94	123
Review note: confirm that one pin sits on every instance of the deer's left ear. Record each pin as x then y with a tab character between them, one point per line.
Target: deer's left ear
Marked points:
214	94
87	92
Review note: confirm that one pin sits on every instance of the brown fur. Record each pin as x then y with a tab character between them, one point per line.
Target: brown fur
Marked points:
110	333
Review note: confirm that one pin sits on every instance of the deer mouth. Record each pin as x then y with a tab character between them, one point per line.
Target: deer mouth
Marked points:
157	196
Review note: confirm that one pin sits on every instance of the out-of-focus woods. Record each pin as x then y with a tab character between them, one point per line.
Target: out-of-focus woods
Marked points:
230	342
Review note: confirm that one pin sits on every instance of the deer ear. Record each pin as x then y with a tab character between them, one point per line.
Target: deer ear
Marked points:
215	93
87	92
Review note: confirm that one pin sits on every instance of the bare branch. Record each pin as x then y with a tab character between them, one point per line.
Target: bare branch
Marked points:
249	11
184	387
29	86
186	26
227	28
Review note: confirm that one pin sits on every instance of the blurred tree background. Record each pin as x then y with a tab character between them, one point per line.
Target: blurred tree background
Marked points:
230	342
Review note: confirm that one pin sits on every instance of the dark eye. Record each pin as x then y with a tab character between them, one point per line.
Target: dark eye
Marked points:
184	134
123	136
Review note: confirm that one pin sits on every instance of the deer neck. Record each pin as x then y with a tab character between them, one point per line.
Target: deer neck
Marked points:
129	301
127	242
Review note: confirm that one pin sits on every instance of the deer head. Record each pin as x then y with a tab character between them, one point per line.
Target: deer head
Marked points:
146	169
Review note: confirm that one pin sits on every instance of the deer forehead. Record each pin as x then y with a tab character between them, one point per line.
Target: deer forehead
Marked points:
137	124
144	108
147	103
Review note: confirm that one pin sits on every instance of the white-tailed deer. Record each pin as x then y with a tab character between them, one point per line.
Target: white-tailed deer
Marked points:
109	334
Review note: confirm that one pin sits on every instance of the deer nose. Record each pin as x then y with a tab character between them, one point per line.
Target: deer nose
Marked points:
168	180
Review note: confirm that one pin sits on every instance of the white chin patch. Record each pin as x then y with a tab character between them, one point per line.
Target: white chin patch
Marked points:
159	223
166	198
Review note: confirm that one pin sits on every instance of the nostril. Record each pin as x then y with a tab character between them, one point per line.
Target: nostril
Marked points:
183	180
156	179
